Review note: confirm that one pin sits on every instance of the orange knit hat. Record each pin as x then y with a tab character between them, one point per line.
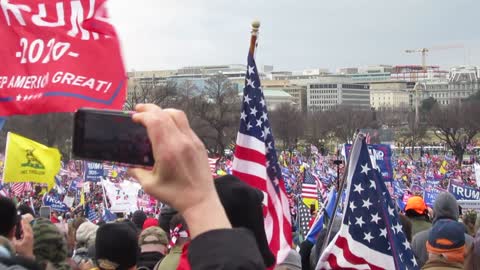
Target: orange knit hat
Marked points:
417	204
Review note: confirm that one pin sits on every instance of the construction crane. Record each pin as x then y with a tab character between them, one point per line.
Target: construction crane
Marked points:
424	52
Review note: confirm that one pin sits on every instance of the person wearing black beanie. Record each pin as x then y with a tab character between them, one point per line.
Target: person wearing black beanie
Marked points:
139	218
243	205
116	247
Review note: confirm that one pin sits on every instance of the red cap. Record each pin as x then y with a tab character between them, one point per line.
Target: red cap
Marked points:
150	222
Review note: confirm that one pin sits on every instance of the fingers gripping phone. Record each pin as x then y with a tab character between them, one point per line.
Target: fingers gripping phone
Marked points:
106	135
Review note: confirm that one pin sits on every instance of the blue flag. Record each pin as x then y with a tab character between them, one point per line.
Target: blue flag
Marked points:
55	204
328	212
91	214
108	216
2	122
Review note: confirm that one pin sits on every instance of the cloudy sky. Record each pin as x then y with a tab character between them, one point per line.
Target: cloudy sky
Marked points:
296	34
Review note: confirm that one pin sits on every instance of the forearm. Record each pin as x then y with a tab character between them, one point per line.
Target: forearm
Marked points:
206	216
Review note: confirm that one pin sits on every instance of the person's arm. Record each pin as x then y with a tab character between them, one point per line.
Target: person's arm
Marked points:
181	174
225	249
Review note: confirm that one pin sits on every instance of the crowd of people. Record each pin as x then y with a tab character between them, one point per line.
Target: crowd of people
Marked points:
194	220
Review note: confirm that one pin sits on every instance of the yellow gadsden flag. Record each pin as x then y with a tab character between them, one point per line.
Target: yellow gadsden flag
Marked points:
30	161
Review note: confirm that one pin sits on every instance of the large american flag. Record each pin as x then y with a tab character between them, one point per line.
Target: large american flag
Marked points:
370	236
256	163
20	188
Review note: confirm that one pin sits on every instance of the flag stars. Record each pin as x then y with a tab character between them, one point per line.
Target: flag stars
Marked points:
251	70
243	116
249	126
375	218
264	116
253	111
262	101
266	130
367	203
373	185
398	228
247	99
359	221
383	232
391	211
406	244
250	83
259	123
352	206
365	168
368	237
414	262
358	188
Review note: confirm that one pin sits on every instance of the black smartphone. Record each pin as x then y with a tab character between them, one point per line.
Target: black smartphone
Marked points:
107	135
18	228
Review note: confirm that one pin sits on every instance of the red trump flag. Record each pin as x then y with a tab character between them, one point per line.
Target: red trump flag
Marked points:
58	56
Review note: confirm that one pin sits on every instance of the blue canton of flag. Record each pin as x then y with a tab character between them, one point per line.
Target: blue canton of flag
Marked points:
370	236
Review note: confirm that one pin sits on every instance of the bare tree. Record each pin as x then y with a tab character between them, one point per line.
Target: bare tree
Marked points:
162	95
319	127
456	125
217	110
54	129
287	124
348	120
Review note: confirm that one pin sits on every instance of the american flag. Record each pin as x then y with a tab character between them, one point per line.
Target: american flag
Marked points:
303	219
20	188
370	236
213	166
309	186
256	163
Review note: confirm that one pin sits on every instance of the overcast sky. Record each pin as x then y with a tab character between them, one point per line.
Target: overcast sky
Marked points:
296	34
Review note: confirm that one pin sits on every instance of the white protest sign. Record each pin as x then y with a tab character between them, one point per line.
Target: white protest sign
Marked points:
122	196
68	200
470	205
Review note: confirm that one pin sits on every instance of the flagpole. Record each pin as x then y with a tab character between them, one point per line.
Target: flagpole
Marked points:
254	37
339	195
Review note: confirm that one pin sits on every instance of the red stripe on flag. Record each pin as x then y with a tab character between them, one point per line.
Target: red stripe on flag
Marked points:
250	155
342	243
252	180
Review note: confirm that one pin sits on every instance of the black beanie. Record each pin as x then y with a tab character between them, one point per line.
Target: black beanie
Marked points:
116	245
243	205
166	214
139	218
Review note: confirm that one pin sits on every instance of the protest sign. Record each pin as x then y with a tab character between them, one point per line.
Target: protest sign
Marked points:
429	196
476	167
464	192
93	171
55	204
122	196
470	205
58	56
68	200
381	157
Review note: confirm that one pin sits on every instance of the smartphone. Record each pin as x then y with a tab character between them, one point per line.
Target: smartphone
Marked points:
45	212
18	228
107	135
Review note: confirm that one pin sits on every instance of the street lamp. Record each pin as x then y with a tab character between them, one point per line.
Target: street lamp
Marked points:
338	162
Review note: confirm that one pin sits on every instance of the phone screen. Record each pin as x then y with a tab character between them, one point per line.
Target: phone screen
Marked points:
111	136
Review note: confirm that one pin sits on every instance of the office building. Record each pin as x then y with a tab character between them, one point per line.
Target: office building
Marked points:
327	96
393	94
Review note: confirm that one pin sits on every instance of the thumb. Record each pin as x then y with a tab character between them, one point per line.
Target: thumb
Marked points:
144	177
